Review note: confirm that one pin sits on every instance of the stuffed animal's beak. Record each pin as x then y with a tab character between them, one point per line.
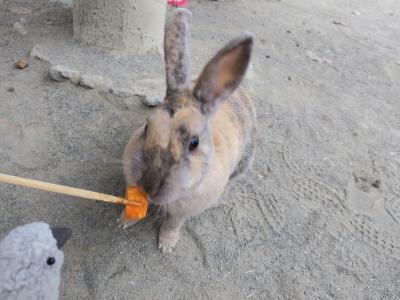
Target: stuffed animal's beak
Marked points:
61	234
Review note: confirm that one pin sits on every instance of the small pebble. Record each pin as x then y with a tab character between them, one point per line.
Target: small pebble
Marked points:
11	89
22	63
20	28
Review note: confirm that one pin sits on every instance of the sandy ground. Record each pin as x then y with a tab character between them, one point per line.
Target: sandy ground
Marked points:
318	217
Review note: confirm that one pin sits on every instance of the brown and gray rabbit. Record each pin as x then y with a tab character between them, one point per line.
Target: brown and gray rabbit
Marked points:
199	139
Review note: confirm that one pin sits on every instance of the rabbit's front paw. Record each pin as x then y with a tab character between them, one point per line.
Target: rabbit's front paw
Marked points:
167	241
125	223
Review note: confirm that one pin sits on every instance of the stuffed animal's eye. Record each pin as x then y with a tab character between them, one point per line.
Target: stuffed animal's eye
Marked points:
194	142
51	261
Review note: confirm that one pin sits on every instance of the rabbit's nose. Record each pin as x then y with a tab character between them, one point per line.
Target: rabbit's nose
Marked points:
150	184
158	162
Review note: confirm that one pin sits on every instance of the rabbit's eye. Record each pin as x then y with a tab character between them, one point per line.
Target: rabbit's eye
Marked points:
194	142
145	129
51	261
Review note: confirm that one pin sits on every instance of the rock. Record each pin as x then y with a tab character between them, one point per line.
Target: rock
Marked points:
147	91
11	89
75	80
37	53
150	91
61	73
20	27
150	100
22	63
91	81
123	93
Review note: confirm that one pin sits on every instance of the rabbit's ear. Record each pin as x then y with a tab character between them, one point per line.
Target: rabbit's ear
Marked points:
177	50
223	73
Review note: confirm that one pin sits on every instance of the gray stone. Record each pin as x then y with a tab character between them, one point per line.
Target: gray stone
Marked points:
61	73
91	81
151	91
20	28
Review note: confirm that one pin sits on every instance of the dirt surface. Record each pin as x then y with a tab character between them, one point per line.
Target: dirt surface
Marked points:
318	217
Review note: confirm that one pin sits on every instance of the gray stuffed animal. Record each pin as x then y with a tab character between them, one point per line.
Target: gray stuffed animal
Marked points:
31	261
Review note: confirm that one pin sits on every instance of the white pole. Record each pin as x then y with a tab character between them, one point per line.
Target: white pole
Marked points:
135	26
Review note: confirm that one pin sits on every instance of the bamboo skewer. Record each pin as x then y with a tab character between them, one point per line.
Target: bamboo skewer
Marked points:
65	190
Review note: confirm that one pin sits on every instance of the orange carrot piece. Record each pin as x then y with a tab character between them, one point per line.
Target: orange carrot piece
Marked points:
138	210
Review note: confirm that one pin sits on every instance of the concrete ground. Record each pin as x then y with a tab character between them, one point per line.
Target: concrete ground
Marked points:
318	217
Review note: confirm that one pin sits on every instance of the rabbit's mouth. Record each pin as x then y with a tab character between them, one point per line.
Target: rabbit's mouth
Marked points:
166	193
154	189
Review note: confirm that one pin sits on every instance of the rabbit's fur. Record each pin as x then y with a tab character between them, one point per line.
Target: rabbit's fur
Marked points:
162	156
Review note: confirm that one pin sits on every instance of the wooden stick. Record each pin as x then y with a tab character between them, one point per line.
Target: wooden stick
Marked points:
65	190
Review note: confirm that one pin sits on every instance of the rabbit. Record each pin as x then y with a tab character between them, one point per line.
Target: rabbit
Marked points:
198	141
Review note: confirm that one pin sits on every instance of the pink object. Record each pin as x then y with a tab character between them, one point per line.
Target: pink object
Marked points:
178	3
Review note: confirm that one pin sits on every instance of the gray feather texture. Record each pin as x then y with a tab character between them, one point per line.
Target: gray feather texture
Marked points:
27	271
